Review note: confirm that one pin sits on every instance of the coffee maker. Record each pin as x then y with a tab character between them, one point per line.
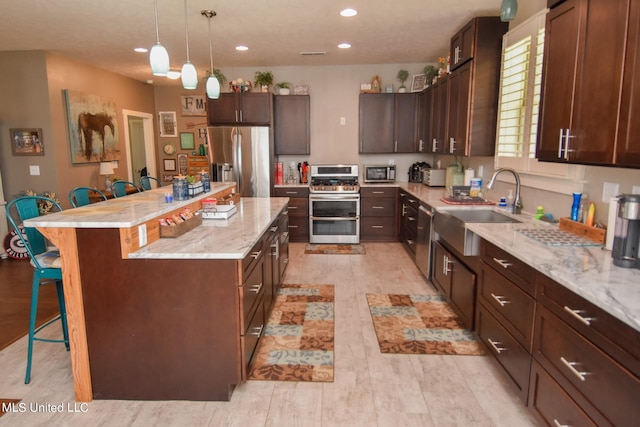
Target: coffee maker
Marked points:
626	241
415	171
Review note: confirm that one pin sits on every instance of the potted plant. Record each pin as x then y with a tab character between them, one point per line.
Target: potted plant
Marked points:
402	76
263	79
430	73
284	88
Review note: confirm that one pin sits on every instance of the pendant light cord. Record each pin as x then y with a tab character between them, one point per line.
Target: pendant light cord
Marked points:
210	44
155	6
186	28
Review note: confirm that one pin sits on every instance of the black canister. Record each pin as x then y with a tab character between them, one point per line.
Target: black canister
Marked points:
180	188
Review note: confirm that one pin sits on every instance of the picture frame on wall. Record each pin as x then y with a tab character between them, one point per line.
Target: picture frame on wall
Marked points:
168	123
193	105
167	177
27	142
183	164
418	82
187	141
169	164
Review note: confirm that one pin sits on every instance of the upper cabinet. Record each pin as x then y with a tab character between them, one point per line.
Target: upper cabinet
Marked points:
462	45
388	123
472	100
240	109
586	114
291	120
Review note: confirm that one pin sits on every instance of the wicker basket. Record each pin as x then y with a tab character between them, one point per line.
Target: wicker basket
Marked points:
180	228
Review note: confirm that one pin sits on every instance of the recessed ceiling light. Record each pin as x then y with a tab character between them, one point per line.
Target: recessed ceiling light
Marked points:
344	45
173	75
241	47
349	12
141	49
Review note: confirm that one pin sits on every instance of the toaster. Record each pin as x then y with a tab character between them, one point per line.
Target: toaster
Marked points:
434	177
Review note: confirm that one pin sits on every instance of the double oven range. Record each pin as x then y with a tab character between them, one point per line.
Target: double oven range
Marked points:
334	204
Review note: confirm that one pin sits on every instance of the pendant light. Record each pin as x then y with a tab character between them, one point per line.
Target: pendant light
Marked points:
213	85
158	57
189	73
508	10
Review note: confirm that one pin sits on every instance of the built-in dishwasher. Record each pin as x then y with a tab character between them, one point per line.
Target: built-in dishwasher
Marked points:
424	237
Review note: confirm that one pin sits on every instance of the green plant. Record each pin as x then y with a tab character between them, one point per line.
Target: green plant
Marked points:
263	78
192	179
430	72
402	76
282	85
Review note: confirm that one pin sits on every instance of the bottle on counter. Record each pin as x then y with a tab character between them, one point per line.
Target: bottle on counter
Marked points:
575	207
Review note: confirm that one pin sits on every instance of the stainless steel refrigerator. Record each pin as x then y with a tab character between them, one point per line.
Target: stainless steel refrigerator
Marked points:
241	154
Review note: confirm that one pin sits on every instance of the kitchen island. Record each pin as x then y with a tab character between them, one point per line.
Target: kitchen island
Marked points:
161	319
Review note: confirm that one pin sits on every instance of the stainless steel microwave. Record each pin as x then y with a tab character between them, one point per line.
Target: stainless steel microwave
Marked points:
379	173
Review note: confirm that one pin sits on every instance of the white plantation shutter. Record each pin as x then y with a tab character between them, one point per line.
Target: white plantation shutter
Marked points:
537	87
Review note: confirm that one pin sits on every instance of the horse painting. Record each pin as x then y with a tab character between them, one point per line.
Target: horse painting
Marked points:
88	124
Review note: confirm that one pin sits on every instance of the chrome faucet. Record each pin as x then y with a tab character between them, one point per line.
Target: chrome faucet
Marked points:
517	203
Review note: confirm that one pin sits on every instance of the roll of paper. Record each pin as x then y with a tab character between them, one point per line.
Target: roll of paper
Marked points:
468	174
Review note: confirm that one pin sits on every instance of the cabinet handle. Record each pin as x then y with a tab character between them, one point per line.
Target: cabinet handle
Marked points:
241	116
395	146
410	242
445	265
503	262
286	260
256	255
377	207
256	288
574	371
560	145
273	229
434	145
377	226
293	207
576	314
257	331
500	299
456	55
567	150
452	145
557	424
421	149
285	234
276	246
495	345
412	201
236	115
378	192
410	218
291	192
293	226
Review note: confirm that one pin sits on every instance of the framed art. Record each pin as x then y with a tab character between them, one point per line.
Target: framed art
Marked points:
193	105
186	141
183	164
169	164
418	83
168	124
93	127
167	177
27	142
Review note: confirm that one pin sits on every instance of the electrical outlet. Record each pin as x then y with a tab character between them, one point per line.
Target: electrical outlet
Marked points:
635	189
392	162
34	170
142	235
343	120
609	190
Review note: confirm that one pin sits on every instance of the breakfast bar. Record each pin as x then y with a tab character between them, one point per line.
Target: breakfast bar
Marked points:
155	318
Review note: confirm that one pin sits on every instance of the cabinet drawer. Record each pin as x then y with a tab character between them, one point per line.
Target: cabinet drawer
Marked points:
251	292
515	270
377	227
549	402
253	333
378	207
250	260
378	192
291	192
298	206
572	360
298	228
512	306
515	360
614	337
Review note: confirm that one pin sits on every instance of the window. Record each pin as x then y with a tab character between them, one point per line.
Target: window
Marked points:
519	105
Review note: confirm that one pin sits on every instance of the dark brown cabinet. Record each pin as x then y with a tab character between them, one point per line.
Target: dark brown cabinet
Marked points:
378	214
456	281
439	115
409	206
240	108
291	124
425	120
462	45
579	106
388	123
298	211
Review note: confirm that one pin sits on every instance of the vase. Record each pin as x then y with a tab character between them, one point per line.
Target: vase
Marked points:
402	89
265	88
284	91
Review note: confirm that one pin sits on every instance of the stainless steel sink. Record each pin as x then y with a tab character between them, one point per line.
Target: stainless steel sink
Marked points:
481	215
450	226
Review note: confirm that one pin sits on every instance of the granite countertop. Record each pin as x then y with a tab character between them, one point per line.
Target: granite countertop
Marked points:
123	212
587	271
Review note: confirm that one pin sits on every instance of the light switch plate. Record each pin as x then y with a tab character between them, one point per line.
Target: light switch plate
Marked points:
34	170
609	190
142	235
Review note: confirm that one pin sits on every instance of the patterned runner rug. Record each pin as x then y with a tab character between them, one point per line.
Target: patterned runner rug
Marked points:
332	249
419	324
297	344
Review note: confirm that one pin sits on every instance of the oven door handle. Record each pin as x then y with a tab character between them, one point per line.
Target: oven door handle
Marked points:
335	197
334	218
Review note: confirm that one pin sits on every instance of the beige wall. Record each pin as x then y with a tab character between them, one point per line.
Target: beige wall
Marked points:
31	96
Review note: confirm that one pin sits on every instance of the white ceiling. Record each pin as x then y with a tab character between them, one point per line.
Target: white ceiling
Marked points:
104	33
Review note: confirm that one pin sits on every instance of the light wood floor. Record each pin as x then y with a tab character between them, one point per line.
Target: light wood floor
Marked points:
370	388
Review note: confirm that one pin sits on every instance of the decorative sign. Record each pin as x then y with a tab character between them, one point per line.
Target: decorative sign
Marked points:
193	105
13	245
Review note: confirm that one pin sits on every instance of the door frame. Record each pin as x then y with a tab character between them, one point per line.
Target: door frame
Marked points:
149	141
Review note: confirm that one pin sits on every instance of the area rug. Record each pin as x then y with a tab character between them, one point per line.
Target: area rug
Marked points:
332	249
9	405
419	324
298	339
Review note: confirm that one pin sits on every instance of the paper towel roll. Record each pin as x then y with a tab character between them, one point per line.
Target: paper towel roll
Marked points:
468	174
611	222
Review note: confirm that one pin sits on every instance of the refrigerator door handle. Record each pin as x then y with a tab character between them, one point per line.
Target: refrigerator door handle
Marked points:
237	142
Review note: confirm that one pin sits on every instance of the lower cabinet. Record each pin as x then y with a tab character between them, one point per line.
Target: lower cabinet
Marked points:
378	214
298	211
252	301
409	206
456	282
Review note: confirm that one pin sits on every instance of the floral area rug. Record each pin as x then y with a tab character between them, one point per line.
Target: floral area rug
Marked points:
298	340
332	249
419	324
